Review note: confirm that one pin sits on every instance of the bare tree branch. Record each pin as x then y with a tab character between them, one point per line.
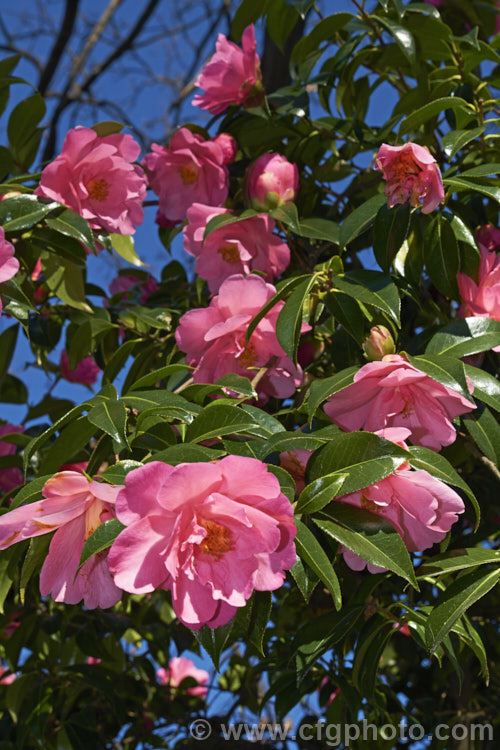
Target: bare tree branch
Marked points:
59	45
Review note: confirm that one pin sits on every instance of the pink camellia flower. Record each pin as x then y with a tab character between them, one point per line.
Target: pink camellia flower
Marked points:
488	237
9	265
95	177
86	372
421	508
126	281
394	393
295	462
232	76
210	533
191	170
241	247
75	506
482	299
93	660
178	669
10	477
412	175
227	143
213	338
270	182
402	628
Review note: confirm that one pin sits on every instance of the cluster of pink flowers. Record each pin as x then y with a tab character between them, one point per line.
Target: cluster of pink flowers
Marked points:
241	247
411	174
96	177
9	265
211	533
10	477
86	372
190	170
213	338
482	298
393	393
180	668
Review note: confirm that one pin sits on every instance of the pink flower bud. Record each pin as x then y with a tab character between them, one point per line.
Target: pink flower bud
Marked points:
378	344
228	146
86	372
270	182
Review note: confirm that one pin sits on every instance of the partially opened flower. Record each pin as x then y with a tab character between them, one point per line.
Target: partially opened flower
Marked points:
10	477
179	668
86	372
213	338
95	176
412	174
240	247
232	76
482	299
73	507
9	265
211	533
190	170
270	182
393	393
421	508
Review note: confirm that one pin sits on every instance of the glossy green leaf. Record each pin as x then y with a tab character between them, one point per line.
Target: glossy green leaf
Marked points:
111	417
443	368
430	110
455	140
65	279
485	431
371	288
310	551
441	256
72	225
320	390
465	336
320	229
102	538
289	322
125	247
458	560
486	387
402	37
320	492
217	420
389	232
360	219
23	211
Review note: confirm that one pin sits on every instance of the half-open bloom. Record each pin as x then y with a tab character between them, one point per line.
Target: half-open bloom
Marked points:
213	338
412	174
270	182
241	247
12	476
421	508
73	507
232	75
482	299
95	177
210	533
86	372
393	393
9	265
190	170
179	668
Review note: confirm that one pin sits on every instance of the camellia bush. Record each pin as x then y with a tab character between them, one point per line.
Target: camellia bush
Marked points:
290	462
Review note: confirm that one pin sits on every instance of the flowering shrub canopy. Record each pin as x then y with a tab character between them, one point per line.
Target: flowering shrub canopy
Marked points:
287	453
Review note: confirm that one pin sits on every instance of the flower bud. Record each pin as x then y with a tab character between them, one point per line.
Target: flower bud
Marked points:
378	344
228	146
270	182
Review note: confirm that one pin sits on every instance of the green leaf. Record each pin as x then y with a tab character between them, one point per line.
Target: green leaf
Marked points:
238	384
360	219
441	256
440	467
30	493
371	537
320	390
458	560
124	246
116	473
111	418
402	37
389	233
371	288
445	369
455	140
222	220
213	640
8	341
305	579
325	30
433	108
287	215
283	291
289	322
23	211
185	453
158	397
364	457
247	12
320	492
485	187
465	336
37	442
311	552
72	225
24	119
102	538
320	229
320	634
485	431
452	604
369	649
486	387
107	127
162	373
35	556
217	420
260	613
65	279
